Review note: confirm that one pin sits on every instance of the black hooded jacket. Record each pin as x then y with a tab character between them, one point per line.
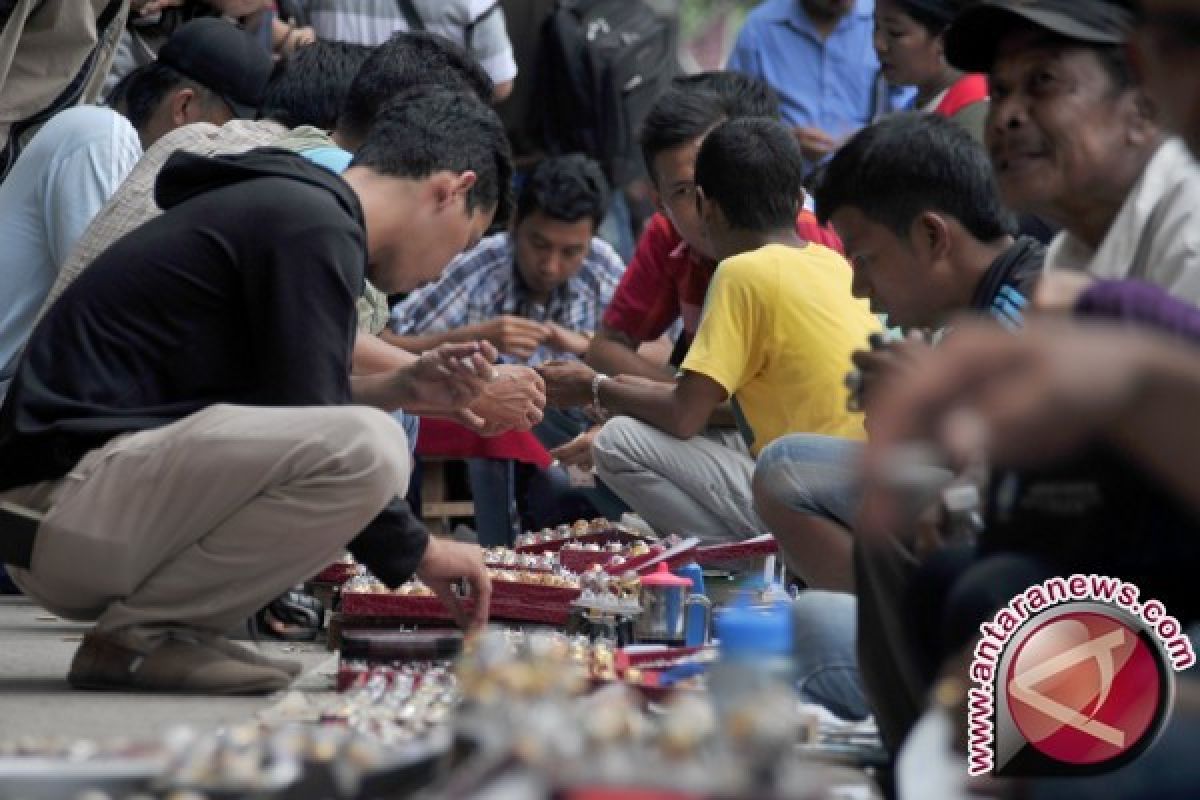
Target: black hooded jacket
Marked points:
242	291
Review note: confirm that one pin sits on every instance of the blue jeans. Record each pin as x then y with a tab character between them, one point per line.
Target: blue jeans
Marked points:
812	474
548	497
826	659
556	429
412	429
493	490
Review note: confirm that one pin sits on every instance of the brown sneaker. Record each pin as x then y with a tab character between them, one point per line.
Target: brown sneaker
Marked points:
252	656
179	663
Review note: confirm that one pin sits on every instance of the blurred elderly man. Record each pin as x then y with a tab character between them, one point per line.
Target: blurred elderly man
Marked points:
1074	138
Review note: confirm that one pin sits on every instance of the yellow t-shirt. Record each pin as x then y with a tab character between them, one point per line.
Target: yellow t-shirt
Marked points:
778	327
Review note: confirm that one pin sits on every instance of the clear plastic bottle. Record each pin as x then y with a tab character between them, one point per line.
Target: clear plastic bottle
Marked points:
755	661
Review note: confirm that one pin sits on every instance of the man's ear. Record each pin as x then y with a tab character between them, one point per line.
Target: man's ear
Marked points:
465	181
184	106
931	234
1143	118
447	186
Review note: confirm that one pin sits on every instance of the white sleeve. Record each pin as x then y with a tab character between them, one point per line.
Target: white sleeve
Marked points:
490	45
82	181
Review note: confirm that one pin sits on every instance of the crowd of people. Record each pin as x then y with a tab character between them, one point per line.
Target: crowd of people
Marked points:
234	288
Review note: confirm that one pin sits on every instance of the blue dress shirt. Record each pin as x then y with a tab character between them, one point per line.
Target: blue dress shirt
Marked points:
823	83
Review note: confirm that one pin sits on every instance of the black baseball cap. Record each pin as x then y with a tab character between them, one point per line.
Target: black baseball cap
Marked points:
222	57
972	39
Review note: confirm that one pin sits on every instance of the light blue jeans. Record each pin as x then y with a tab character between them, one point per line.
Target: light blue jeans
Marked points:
812	474
825	624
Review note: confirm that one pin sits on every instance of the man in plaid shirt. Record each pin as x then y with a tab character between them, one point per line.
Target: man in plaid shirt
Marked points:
538	292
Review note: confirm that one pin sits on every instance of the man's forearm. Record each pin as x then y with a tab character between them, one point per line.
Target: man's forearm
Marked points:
619	357
420	342
372	354
390	391
657	405
381	390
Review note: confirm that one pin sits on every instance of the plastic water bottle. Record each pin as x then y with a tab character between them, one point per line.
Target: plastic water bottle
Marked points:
755	648
752	685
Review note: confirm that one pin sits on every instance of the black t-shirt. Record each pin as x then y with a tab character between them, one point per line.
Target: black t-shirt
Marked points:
242	291
1004	289
1097	513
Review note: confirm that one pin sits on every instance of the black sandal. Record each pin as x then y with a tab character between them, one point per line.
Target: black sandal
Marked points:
294	616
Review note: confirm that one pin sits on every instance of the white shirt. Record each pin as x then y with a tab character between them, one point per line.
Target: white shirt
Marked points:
62	179
1156	234
372	22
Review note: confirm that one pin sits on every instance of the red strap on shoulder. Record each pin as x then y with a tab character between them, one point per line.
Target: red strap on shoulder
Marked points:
970	89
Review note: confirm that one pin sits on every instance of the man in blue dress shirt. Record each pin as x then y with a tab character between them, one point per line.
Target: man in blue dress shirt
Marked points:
817	55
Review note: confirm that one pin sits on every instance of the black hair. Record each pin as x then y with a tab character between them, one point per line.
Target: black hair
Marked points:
911	163
116	97
428	130
932	15
740	95
566	188
142	91
405	61
753	170
695	104
310	86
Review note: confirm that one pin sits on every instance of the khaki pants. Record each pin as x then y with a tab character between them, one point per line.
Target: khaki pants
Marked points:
206	520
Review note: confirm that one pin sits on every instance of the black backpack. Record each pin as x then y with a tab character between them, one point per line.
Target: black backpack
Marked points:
601	66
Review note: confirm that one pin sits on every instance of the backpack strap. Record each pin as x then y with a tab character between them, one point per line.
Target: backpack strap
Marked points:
409	10
469	30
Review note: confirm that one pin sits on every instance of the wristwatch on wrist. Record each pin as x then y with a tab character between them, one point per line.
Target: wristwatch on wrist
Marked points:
599	378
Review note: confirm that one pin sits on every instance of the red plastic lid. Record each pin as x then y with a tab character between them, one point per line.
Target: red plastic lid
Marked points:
663	577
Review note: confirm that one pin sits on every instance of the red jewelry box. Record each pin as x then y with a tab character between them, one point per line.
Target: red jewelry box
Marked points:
722	553
511	600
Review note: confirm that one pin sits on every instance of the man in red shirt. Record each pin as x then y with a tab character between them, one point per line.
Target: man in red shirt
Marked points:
668	277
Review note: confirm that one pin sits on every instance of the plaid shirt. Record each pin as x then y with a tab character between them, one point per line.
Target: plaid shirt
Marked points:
484	284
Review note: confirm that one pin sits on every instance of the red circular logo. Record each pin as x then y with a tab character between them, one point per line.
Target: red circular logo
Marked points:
1085	688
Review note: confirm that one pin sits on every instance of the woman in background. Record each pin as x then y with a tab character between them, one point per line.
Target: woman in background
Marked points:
908	40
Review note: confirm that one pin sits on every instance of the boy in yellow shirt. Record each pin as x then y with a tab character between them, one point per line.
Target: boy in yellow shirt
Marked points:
778	328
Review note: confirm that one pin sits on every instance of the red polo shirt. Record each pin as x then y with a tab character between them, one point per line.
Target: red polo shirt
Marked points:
666	280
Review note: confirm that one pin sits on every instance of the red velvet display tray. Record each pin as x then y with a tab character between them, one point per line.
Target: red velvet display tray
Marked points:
579	561
499	565
517	602
722	553
600	537
430	609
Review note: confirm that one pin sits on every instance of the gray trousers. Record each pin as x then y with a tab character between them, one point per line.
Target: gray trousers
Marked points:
696	487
